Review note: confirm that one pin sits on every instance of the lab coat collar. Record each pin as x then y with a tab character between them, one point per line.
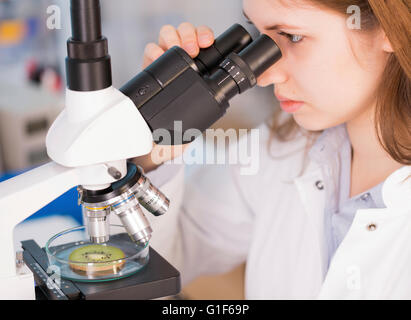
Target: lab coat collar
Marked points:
313	200
326	154
311	189
396	193
396	190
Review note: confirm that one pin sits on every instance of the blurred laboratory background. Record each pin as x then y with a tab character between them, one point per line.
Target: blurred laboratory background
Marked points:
32	86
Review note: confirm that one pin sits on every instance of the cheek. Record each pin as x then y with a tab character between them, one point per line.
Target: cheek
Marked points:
340	77
327	76
335	86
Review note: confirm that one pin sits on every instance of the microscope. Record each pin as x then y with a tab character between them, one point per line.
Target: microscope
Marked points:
100	129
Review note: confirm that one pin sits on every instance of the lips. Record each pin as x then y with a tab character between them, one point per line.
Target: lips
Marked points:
289	105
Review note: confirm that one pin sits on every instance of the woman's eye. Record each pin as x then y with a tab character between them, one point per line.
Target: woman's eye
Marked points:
294	38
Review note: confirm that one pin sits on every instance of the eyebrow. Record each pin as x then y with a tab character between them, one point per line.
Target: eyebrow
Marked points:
275	26
247	17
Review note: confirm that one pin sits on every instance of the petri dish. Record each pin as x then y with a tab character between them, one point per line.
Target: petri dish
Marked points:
72	256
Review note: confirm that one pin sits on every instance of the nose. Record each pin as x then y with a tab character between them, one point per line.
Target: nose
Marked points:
276	74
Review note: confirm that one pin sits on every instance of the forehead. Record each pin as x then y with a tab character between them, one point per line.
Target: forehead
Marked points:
301	12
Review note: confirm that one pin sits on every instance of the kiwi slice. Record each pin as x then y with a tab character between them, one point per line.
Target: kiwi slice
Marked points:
96	258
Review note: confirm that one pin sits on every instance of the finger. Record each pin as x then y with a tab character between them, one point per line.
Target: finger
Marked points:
205	36
188	36
168	37
151	53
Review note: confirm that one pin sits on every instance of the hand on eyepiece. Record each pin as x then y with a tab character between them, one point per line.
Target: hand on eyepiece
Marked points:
186	36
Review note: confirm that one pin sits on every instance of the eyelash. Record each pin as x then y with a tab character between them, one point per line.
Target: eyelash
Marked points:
291	37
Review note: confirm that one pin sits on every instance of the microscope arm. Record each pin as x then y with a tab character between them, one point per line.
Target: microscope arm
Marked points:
25	194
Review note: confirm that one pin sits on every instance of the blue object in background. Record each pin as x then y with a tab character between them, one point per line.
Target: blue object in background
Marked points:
65	205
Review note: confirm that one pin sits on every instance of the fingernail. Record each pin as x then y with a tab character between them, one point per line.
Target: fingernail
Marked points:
190	47
204	38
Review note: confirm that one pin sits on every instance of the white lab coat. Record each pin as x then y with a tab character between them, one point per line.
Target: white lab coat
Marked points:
274	221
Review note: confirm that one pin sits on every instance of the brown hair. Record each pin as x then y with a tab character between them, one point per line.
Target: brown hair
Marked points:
393	111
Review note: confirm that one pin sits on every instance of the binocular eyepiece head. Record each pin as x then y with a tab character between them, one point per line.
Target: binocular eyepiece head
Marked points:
197	91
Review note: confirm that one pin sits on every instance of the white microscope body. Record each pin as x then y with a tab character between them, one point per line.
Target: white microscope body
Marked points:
97	131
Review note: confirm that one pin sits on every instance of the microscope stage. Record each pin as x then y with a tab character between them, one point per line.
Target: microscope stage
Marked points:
157	279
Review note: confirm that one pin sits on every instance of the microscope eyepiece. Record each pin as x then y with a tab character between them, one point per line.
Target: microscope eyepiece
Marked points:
233	39
261	54
85	20
88	64
239	72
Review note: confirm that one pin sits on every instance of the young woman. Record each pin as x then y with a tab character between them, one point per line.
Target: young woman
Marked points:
329	213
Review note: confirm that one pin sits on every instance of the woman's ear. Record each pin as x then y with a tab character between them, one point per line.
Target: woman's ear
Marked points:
386	44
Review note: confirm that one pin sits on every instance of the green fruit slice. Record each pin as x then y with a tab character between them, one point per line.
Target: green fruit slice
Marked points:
96	258
96	253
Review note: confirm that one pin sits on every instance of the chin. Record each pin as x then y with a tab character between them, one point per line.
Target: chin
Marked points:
313	123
